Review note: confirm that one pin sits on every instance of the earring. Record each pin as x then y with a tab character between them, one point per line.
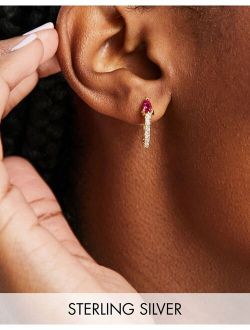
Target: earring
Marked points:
147	112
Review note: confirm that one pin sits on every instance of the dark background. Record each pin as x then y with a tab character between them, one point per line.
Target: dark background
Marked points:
39	129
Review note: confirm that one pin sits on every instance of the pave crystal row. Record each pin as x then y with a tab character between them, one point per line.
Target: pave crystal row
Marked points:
147	111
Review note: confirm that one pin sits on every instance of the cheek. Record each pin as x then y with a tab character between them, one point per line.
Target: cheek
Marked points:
208	141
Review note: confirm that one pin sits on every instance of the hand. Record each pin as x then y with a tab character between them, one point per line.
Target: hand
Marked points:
38	250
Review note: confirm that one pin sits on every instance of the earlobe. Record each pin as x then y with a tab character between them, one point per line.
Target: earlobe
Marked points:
107	66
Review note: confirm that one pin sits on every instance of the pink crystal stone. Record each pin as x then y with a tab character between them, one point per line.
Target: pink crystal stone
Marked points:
146	106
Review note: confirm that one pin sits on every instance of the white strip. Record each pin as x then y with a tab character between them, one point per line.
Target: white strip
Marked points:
125	327
129	308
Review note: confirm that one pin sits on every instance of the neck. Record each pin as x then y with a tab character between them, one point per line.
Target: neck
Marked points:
129	202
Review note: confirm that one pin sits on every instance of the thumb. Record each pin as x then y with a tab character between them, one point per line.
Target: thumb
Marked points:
36	243
40	198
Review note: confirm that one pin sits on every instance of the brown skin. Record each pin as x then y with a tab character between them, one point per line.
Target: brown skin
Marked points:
174	218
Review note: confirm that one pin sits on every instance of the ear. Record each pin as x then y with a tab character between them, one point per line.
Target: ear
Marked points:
109	60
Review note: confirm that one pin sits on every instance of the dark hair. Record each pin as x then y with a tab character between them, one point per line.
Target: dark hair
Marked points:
39	131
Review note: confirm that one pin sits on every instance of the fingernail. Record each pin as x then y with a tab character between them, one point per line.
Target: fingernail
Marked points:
24	42
46	26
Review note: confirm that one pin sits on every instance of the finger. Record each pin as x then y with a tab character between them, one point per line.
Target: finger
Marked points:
20	63
7	44
48	68
28	84
43	202
49	40
46	33
5	91
20	92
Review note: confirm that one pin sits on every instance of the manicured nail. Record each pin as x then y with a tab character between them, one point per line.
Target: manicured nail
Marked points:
46	26
24	42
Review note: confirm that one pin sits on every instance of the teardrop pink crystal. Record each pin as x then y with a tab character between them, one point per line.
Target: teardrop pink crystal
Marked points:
146	106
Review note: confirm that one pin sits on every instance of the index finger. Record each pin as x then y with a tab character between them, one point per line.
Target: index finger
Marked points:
46	33
23	61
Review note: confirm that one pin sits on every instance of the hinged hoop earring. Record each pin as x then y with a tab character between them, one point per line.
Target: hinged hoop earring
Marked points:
147	112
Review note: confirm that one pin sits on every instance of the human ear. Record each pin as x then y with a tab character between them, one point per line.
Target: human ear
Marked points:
110	61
